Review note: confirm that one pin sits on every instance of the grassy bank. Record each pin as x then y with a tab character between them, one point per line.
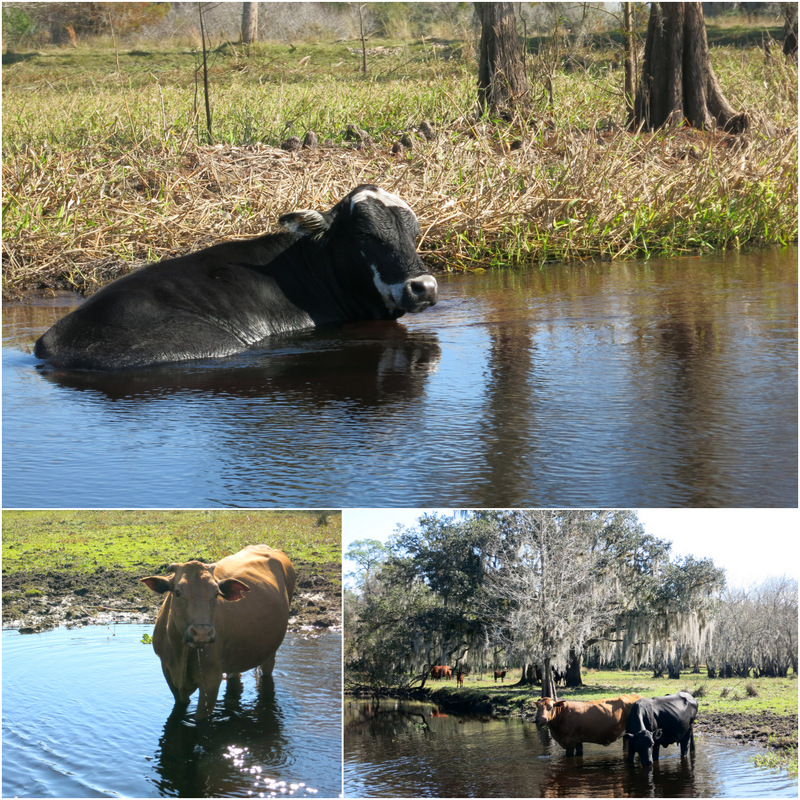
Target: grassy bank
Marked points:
83	566
105	164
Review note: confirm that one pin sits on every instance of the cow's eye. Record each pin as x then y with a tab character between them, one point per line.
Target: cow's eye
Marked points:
177	593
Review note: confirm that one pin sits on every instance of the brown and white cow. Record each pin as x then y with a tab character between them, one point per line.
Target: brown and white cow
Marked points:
573	722
225	617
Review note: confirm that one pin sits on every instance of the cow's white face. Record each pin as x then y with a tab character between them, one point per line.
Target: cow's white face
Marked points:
382	229
389	229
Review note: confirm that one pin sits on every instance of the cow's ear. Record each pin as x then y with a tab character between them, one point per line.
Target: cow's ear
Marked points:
157	584
307	223
231	589
657	734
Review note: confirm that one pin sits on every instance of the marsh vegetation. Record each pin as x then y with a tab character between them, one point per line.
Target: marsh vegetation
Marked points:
107	162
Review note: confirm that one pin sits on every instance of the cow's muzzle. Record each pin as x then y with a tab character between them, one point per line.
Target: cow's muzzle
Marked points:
200	635
419	293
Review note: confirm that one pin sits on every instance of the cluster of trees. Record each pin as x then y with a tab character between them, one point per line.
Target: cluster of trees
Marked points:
756	631
546	590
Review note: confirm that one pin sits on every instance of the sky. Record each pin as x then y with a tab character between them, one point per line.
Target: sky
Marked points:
750	544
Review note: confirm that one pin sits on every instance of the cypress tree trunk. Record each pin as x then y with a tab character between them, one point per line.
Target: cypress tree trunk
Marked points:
503	85
790	29
678	83
574	677
548	683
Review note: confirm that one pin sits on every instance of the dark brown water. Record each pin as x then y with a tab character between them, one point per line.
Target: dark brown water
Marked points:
398	749
87	713
633	384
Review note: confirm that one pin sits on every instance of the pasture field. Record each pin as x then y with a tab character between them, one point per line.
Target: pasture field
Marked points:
107	163
762	710
62	566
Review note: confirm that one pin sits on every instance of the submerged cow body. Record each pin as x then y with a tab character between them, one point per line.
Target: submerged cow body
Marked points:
658	722
357	261
572	722
225	617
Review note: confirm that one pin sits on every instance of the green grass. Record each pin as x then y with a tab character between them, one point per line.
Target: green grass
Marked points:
722	695
83	541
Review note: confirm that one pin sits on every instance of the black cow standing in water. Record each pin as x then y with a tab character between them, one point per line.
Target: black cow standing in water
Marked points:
357	261
660	721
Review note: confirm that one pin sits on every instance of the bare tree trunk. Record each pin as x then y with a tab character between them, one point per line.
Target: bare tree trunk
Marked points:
363	40
630	68
678	83
249	23
790	29
503	85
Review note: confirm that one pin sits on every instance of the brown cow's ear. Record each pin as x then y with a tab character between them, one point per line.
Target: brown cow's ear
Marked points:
158	584
231	589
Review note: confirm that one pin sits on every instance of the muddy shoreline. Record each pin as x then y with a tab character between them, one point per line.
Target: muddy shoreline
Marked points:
35	601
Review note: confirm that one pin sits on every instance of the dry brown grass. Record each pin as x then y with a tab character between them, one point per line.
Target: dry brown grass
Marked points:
86	216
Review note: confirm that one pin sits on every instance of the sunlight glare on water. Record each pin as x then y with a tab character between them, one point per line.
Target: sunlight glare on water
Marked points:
129	743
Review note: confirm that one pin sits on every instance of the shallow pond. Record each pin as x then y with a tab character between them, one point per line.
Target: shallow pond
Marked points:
399	749
632	384
87	713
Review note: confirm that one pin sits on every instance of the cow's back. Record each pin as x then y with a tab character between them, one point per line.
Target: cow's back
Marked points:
251	629
598	722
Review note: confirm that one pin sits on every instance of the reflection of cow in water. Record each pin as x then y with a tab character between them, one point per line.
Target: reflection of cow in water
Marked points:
572	722
439	672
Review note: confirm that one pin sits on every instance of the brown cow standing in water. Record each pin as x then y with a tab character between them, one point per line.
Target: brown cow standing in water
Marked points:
573	722
225	617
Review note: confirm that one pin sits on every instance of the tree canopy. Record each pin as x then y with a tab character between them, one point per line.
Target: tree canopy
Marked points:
527	589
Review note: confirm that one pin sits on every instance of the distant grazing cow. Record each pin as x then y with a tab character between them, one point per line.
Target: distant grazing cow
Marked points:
225	617
658	722
500	673
439	672
460	678
357	261
572	722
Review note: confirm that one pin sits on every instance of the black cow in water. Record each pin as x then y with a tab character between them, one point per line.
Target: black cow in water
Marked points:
660	721
357	261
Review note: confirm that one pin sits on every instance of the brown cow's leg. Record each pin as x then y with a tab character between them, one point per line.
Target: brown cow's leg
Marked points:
268	665
208	698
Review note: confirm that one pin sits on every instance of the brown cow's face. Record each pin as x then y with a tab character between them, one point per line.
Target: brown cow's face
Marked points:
544	710
194	596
